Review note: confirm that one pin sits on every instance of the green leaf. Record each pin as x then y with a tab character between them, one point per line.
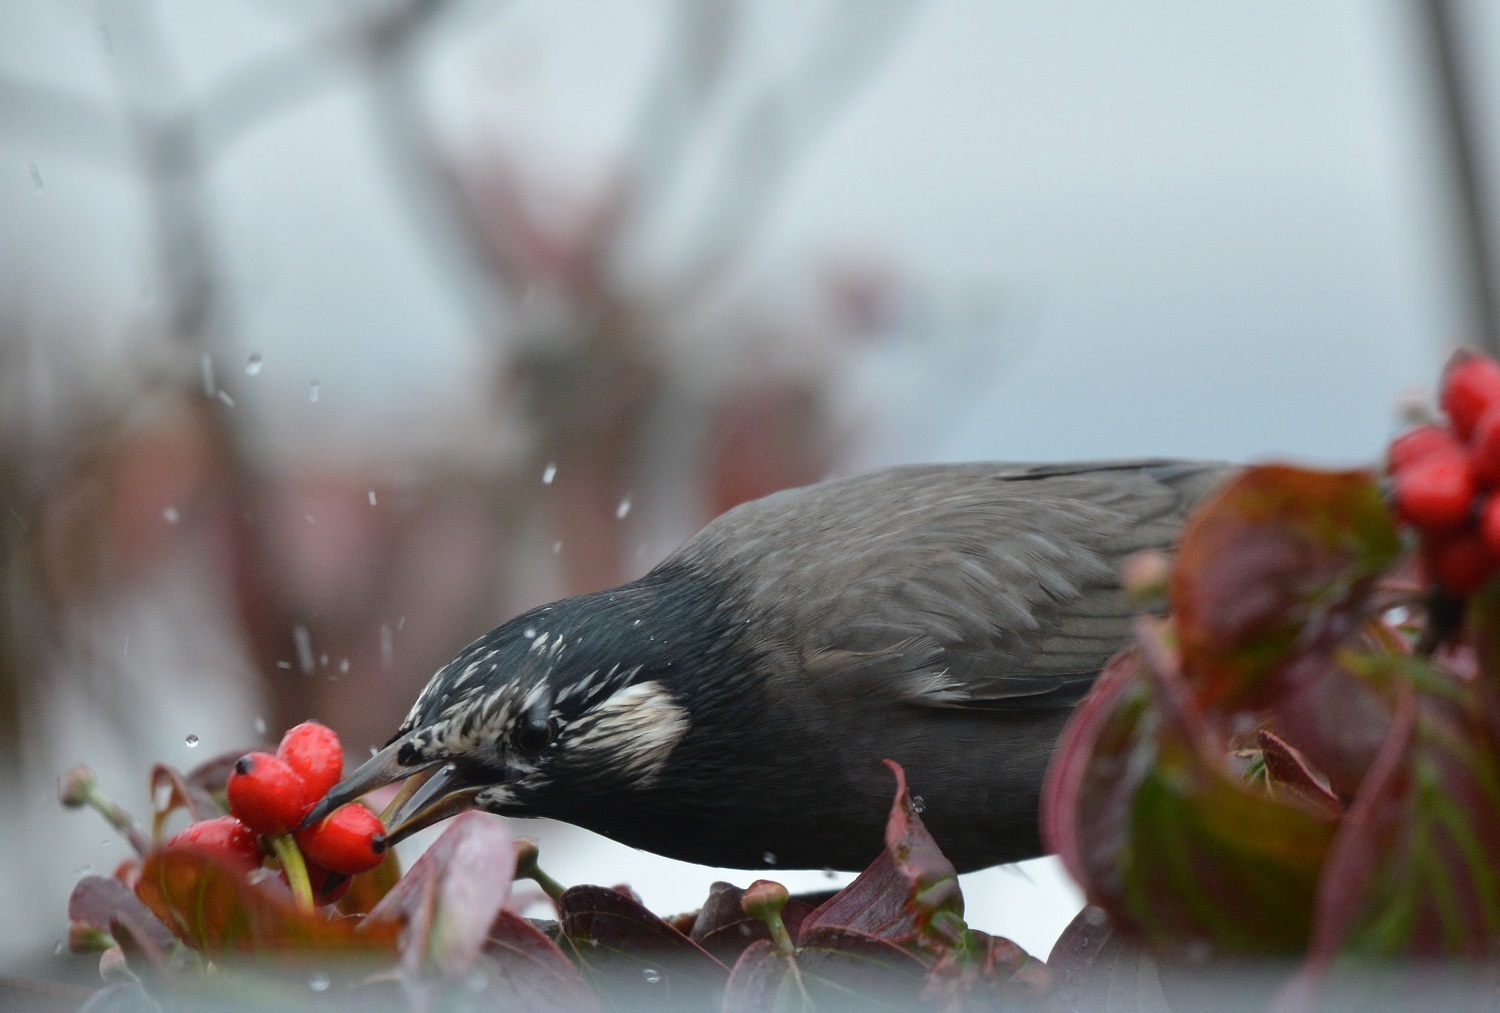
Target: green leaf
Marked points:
1272	576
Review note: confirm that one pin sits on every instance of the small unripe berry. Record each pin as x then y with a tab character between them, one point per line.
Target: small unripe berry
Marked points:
349	840
267	794
313	751
226	838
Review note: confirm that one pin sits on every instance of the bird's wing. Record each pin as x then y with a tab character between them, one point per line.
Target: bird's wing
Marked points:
954	585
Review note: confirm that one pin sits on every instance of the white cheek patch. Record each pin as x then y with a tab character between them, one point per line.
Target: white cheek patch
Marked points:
630	735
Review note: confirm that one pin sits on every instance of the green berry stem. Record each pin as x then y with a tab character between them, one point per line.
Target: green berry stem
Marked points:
292	863
527	868
80	787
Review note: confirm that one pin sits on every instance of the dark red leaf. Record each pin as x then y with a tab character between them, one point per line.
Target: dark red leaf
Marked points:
171	791
834	967
1288	776
1413	871
522	969
987	971
1141	807
219	910
635	956
447	901
1272	575
905	890
96	900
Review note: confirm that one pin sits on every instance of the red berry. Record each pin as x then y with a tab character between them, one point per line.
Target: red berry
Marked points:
313	751
224	837
1435	493
1471	387
1415	444
1489	524
267	794
349	840
1460	562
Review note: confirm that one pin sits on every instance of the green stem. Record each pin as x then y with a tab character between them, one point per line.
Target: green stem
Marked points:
290	857
118	818
527	868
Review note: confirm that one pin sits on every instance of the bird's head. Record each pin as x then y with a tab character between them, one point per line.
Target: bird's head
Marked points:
563	705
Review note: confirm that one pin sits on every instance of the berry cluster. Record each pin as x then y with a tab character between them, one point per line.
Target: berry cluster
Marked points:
1445	478
270	795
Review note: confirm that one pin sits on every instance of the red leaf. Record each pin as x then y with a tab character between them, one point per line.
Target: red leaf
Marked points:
1413	871
451	895
171	791
836	967
96	900
1288	775
637	957
987	972
1145	815
1272	575
219	910
523	969
902	893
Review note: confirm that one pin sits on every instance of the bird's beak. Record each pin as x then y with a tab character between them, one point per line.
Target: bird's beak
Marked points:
435	791
442	793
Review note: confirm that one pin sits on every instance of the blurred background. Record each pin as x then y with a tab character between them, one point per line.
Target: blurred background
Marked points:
334	333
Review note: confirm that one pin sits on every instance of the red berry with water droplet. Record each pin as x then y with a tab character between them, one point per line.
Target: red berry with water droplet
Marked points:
314	752
267	794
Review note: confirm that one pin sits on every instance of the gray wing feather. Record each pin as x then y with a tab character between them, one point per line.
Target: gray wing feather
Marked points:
977	585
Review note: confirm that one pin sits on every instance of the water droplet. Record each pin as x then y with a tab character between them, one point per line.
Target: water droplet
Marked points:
830	873
387	647
171	515
223	396
284	664
529	633
623	510
310	518
557	547
260	723
323	660
207	365
372	497
192	741
36	178
343	666
549	473
400	624
917	804
254	364
312	392
303	641
769	858
652	975
59	949
319	982
1095	916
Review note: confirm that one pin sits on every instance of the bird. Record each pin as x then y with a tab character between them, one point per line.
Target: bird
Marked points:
733	706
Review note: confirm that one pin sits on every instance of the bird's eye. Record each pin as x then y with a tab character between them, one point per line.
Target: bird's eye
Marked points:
531	737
